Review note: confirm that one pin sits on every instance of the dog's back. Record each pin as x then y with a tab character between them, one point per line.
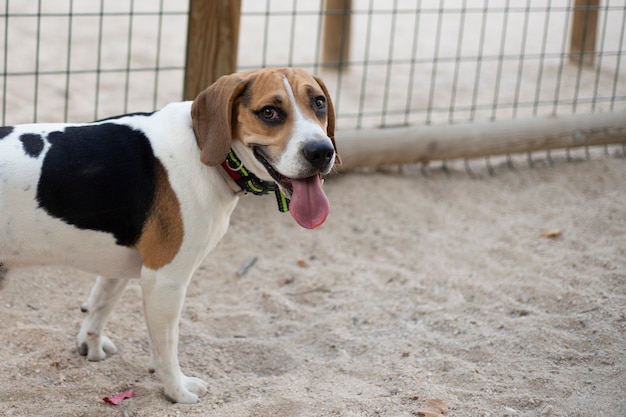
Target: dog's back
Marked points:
98	179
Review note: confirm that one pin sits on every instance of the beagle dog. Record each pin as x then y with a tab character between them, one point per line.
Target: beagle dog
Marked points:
149	195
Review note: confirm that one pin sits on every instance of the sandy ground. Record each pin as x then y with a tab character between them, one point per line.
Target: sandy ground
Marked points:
416	288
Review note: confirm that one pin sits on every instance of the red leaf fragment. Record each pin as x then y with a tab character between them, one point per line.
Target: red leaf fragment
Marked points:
118	398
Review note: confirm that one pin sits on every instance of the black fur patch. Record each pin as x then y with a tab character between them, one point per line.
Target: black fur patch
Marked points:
125	115
5	131
33	144
246	94
99	177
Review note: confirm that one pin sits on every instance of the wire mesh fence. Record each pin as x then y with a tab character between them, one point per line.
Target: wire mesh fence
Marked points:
439	61
411	62
78	60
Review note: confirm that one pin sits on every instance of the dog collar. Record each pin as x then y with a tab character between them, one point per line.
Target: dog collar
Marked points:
250	183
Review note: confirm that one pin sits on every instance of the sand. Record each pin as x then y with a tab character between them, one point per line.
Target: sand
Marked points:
418	287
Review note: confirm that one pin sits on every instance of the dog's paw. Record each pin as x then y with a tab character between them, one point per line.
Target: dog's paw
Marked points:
195	385
189	392
95	347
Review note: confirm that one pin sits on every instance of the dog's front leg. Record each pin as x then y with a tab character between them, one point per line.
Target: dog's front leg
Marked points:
163	297
103	297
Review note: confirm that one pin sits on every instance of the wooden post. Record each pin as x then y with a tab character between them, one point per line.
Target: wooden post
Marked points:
212	42
336	40
405	145
584	28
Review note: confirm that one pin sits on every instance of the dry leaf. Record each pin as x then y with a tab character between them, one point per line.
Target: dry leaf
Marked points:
435	408
552	233
285	281
118	398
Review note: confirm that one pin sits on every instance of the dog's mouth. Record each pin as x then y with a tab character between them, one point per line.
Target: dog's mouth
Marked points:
283	181
309	205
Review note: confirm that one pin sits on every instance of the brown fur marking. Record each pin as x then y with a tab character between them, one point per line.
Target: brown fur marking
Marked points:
163	231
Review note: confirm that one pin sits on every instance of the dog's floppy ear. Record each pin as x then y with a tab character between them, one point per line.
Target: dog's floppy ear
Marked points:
212	113
330	128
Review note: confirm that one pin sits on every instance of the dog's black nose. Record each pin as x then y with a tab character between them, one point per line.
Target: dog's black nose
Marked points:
319	154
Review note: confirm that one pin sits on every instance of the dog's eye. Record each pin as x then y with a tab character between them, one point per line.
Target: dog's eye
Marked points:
320	103
269	113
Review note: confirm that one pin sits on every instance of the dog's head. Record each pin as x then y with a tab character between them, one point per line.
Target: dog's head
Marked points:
281	123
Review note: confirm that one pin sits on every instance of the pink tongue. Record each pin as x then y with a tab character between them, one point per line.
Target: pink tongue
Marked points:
309	205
